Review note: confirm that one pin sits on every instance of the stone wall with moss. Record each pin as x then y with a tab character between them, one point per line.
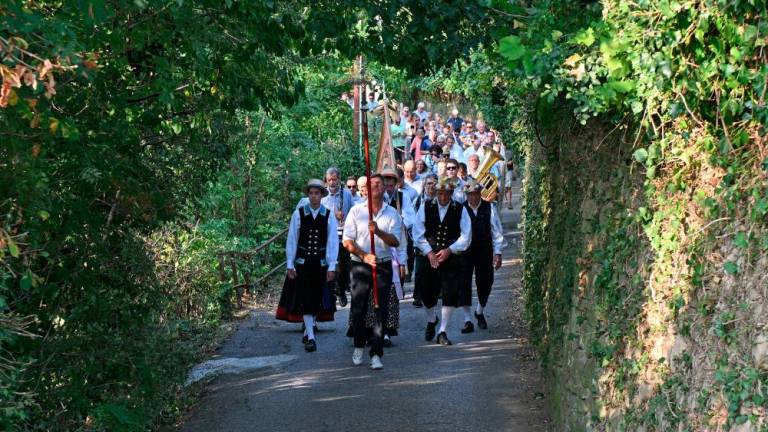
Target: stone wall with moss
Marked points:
646	278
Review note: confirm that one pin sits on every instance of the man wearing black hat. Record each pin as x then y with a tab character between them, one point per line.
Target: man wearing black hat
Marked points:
310	251
482	257
441	232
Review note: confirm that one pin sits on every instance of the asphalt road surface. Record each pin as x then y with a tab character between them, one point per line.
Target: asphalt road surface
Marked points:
487	381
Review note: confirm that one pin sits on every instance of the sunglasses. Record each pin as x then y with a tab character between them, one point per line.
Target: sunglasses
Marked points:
351	186
451	167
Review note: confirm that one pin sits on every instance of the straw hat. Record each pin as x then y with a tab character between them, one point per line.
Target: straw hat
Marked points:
315	183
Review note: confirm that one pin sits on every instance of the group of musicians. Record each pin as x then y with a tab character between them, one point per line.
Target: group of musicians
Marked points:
329	243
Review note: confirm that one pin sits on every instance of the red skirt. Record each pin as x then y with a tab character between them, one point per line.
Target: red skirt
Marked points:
307	294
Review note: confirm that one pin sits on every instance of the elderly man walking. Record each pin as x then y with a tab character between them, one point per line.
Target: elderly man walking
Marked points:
442	232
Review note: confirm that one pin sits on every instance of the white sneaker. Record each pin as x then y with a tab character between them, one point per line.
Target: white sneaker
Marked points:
376	363
357	356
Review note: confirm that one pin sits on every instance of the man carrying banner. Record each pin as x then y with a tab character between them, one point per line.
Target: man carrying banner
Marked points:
386	227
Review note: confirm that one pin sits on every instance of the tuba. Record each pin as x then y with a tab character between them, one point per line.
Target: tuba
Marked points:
485	177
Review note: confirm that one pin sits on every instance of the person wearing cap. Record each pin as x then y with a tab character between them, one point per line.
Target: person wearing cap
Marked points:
482	257
339	200
442	232
386	226
310	253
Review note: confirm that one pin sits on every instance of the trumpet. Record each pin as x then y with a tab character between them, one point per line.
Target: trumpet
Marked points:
485	177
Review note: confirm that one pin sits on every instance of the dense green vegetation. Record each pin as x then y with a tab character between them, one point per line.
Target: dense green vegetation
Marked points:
141	138
645	212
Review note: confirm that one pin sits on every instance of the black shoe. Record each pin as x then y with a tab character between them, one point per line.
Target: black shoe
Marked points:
304	339
387	343
310	346
468	327
442	339
417	303
429	334
314	328
342	299
481	322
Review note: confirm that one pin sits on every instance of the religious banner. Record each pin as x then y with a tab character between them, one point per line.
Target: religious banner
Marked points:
385	158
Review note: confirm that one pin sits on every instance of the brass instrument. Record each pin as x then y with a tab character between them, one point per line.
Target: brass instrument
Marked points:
485	177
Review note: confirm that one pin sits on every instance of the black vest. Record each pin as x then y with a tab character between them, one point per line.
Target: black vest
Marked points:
313	236
440	235
481	225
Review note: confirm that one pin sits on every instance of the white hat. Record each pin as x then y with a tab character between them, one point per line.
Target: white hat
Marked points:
315	183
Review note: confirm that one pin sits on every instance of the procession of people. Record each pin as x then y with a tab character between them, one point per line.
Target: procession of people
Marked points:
435	222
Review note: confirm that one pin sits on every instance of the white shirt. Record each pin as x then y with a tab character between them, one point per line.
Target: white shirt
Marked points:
356	228
407	212
460	245
458	194
497	235
333	202
457	152
417	185
292	243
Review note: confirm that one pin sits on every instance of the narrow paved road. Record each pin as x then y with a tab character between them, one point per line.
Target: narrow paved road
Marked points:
486	381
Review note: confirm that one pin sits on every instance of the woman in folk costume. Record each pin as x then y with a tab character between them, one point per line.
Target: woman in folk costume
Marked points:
310	251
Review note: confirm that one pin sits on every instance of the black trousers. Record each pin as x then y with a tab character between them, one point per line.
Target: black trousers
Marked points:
478	261
342	271
443	281
362	283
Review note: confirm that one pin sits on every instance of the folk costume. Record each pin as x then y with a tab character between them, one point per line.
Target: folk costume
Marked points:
311	250
439	227
356	230
341	200
487	242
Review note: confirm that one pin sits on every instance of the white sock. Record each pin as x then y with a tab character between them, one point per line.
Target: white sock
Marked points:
386	337
309	324
447	311
467	313
430	314
480	309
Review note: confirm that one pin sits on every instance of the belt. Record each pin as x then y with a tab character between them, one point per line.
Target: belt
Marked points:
357	259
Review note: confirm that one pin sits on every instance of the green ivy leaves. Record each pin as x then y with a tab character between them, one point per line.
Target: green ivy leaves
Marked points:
512	48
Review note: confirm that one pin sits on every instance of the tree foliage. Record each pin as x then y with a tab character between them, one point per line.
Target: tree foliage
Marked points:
133	150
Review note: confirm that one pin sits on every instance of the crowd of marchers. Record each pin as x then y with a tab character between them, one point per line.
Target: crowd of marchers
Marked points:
435	224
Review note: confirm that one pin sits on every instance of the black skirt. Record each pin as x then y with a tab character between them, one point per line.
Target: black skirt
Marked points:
307	294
